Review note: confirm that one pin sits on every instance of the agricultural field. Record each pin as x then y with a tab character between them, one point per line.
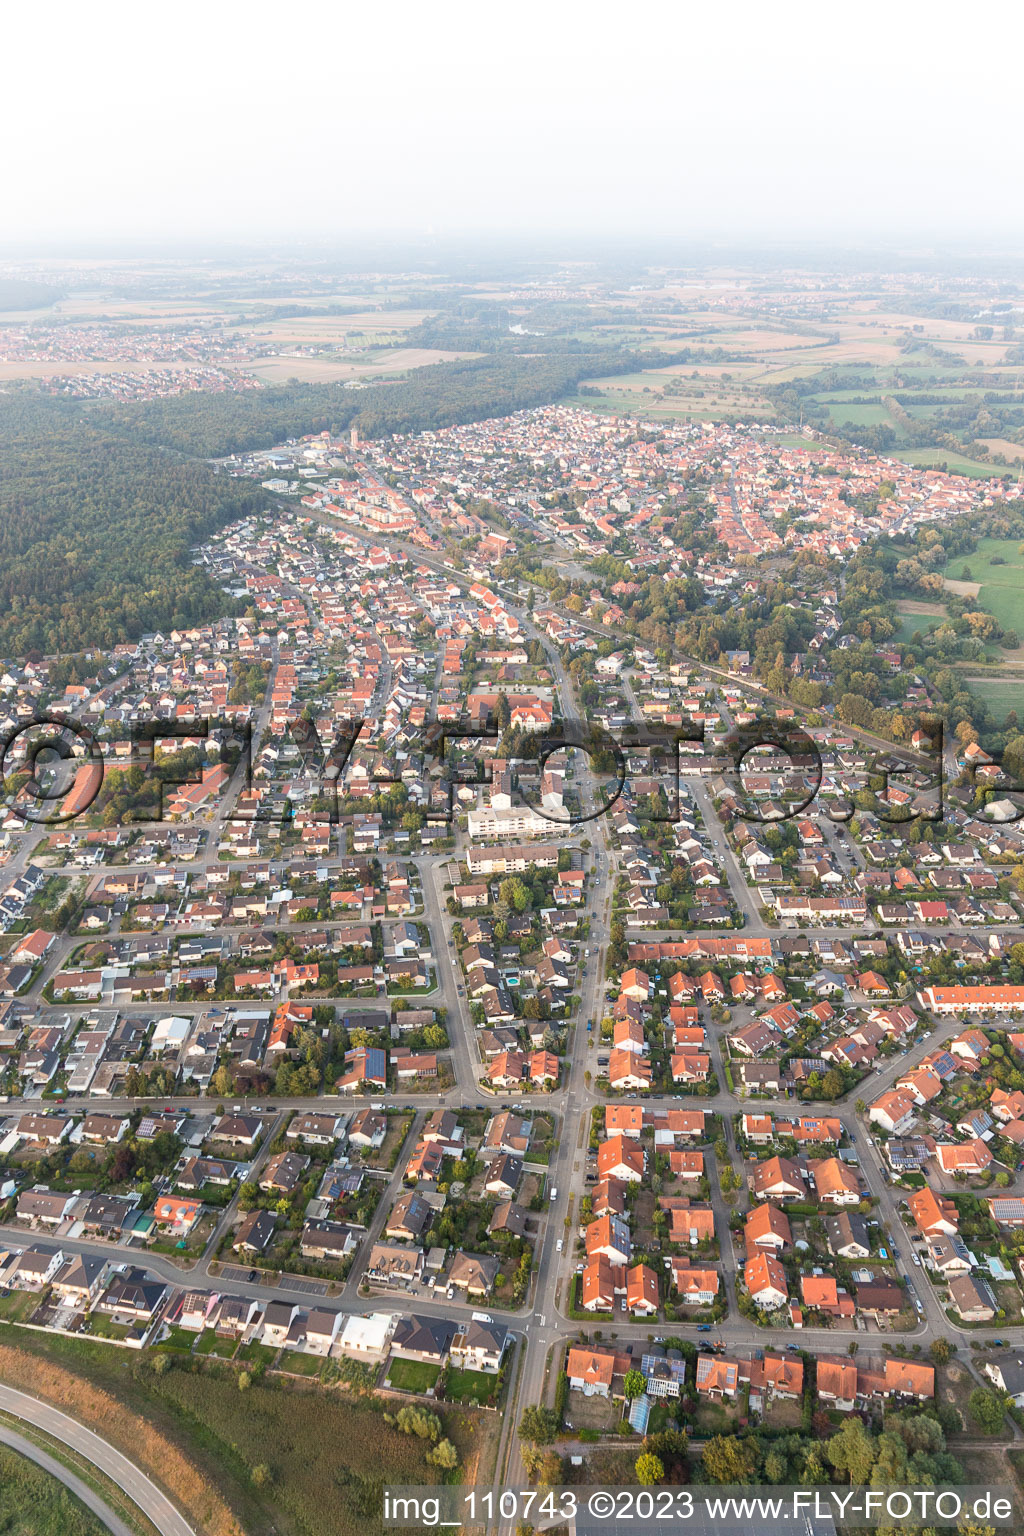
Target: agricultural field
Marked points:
955	463
330	370
1000	694
861	354
917	617
1004	446
1001	586
861	414
314	330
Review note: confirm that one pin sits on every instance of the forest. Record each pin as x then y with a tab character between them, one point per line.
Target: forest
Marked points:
22	293
95	532
101	504
439	395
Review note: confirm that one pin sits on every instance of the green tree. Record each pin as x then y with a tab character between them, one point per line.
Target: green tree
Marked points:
444	1455
414	1420
537	1425
729	1460
549	1473
852	1452
222	1084
987	1409
649	1470
776	1466
633	1385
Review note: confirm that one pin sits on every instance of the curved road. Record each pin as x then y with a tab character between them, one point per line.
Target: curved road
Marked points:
154	1503
73	1484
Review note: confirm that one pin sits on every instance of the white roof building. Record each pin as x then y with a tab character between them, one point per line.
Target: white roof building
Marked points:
369	1335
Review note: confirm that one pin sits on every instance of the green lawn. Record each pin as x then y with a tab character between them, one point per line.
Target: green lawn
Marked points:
912	623
257	1354
299	1364
104	1328
181	1339
18	1306
1002	586
471	1386
210	1344
413	1375
840	396
870	414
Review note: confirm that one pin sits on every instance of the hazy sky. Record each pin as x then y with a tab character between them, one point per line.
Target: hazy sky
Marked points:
313	121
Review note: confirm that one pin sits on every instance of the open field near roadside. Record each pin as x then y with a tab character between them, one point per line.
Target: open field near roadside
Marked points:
328	1451
1000	587
33	1503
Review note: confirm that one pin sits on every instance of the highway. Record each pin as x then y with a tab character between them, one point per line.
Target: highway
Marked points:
63	1474
151	1499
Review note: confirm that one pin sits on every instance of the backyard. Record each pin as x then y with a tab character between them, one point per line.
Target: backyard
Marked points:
412	1375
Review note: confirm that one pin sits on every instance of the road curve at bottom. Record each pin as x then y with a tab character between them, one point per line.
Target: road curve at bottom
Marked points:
73	1484
153	1502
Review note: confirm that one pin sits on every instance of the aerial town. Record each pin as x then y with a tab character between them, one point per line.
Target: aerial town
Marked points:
361	1023
511	772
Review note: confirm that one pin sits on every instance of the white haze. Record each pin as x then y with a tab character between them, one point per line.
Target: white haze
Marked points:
311	122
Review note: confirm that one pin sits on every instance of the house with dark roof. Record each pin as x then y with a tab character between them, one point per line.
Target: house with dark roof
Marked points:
255	1233
423	1338
847	1234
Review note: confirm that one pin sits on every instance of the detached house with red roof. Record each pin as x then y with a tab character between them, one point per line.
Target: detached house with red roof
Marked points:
967	1157
765	1279
627	1070
836	1182
823	1294
767	1227
894	1111
621	1158
695	1287
600	1283
932	1213
778	1178
642	1291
